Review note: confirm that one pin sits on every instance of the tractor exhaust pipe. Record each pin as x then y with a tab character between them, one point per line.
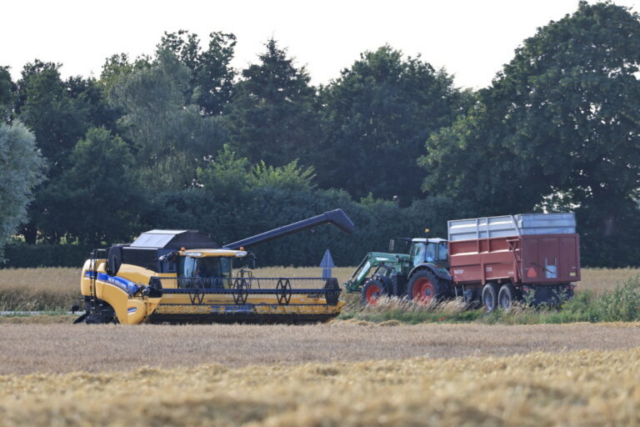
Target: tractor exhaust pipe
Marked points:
335	217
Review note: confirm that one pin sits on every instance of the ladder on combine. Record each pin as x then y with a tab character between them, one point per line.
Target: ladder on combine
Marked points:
96	254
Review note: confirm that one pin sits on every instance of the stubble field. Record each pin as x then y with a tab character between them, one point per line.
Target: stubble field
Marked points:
344	373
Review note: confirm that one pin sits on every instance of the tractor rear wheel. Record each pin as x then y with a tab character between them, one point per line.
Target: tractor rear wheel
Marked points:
490	297
372	290
424	287
506	296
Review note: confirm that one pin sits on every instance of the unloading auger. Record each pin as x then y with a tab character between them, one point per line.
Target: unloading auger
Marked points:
183	276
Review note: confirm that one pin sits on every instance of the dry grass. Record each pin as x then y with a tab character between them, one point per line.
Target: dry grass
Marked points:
605	279
587	388
39	289
59	288
28	348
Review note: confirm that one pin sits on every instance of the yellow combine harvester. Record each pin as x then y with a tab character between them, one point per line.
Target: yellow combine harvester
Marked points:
183	276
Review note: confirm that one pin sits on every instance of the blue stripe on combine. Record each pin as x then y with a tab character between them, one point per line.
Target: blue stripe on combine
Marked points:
125	284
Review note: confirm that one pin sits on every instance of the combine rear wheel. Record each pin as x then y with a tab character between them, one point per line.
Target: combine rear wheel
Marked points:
506	296
490	296
424	287
372	291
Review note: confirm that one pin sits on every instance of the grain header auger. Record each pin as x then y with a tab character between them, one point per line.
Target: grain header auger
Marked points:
183	276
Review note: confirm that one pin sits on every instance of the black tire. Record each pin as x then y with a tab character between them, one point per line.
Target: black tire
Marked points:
506	296
102	314
371	291
425	286
490	297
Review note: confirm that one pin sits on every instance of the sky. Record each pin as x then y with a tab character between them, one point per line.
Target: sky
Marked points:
470	39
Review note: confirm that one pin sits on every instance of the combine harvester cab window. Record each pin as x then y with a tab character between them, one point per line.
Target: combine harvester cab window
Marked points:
188	267
204	268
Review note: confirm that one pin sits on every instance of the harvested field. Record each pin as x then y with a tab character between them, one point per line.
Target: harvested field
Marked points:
587	388
29	348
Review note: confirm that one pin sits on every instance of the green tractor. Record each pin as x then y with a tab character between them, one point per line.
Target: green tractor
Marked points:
421	275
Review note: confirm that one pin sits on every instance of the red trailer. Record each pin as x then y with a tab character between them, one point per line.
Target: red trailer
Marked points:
534	257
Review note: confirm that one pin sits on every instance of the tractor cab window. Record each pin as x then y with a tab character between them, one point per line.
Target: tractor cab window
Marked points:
418	253
431	252
428	252
443	254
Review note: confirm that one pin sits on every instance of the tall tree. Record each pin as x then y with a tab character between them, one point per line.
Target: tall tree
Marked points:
211	82
7	95
274	115
169	135
58	121
46	107
101	185
21	169
378	115
559	128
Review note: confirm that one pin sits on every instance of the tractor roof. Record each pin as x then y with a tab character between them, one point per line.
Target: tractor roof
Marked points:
431	240
174	239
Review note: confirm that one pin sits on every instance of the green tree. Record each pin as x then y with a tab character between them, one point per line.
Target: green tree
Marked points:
211	82
118	66
274	115
101	187
7	95
558	129
377	116
21	169
169	135
58	121
46	107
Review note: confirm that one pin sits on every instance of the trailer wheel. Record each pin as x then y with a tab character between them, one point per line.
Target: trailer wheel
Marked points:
424	286
506	296
490	297
372	290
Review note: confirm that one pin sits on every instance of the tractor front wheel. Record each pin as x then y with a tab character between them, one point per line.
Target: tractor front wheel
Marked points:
372	290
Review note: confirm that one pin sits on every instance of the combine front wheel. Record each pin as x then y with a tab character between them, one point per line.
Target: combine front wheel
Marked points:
371	291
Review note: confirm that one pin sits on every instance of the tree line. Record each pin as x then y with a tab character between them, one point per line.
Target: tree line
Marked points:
181	139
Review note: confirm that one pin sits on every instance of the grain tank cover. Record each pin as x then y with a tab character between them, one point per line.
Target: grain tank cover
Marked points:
174	239
512	225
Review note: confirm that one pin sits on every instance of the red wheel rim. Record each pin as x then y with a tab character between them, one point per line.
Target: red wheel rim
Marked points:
423	291
372	294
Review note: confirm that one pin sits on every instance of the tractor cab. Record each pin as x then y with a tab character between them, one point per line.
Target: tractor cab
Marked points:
429	251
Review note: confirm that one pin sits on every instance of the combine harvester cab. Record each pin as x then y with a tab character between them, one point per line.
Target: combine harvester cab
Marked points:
183	276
